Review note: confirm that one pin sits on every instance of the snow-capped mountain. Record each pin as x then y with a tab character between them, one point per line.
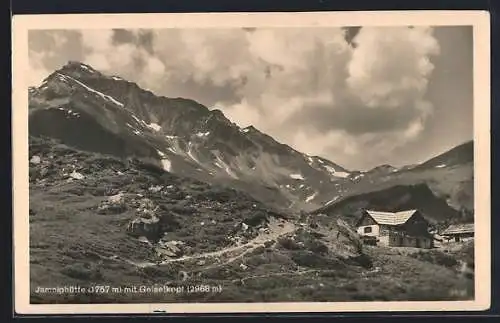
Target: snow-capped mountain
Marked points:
442	185
89	110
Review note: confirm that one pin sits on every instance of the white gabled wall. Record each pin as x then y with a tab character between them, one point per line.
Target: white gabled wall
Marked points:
374	233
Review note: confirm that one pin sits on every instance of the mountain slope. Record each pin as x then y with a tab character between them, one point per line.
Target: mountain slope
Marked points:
88	110
393	199
101	220
461	154
190	139
445	181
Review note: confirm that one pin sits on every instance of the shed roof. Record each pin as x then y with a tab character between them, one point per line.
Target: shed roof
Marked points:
459	228
391	218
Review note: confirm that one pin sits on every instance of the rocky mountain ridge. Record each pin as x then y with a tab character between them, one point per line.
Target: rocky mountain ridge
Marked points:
89	110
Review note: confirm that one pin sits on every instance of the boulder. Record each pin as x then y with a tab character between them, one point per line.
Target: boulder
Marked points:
170	248
147	227
76	175
145	240
35	160
155	188
115	199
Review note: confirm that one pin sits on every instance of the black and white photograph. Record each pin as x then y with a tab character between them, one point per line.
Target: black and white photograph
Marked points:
222	160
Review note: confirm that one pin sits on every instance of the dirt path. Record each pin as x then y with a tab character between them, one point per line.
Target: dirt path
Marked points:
276	230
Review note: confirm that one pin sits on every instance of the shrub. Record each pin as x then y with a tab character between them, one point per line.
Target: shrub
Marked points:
317	247
218	194
268	243
436	257
256	218
289	244
363	261
309	259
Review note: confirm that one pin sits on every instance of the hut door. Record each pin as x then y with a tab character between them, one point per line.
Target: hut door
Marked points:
457	239
417	242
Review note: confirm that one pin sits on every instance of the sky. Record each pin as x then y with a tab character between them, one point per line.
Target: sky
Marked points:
359	96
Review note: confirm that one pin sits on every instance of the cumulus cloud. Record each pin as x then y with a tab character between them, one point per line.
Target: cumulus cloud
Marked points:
125	54
380	103
49	49
337	92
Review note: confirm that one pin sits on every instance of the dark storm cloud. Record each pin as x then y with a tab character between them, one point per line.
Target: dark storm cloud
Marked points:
140	38
210	93
337	92
354	119
121	36
50	42
350	34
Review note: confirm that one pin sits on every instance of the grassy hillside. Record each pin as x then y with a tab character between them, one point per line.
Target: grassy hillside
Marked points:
82	205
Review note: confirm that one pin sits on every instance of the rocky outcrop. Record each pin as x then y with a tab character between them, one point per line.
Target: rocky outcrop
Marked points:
143	226
170	249
115	204
147	222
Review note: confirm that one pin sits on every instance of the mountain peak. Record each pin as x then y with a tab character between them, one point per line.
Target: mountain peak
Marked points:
463	153
77	64
217	113
78	69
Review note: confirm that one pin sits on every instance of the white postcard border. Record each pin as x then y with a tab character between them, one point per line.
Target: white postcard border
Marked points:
480	20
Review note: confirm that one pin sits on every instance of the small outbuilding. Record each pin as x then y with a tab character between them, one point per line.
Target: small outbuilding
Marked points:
459	232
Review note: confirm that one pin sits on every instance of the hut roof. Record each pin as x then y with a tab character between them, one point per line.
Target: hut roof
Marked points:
391	218
459	228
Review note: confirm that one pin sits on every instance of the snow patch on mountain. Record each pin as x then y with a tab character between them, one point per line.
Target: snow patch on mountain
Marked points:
190	152
69	112
311	197
296	176
330	169
341	174
154	126
202	134
137	119
441	166
222	164
336	173
332	200
87	68
358	176
165	162
102	95
167	165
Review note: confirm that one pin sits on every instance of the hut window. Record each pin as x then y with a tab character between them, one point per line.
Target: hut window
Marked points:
368	229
